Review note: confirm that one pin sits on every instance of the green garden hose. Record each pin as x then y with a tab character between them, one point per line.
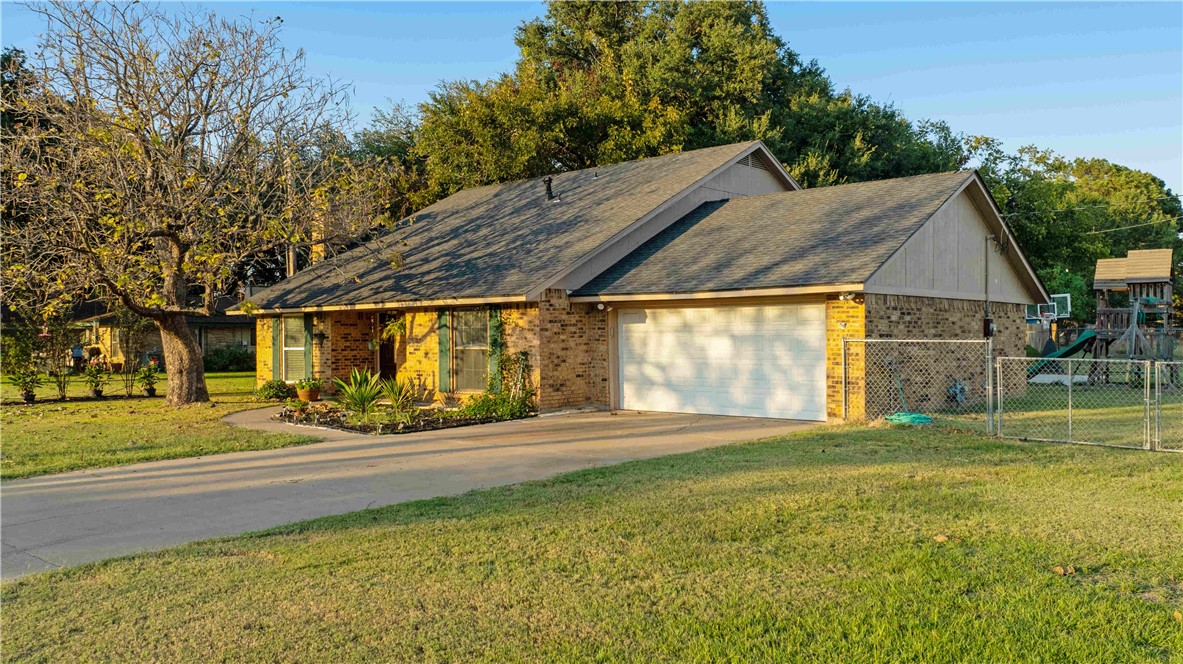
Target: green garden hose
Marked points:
902	416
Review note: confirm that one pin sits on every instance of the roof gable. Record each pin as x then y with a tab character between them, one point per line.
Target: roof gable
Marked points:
828	235
504	240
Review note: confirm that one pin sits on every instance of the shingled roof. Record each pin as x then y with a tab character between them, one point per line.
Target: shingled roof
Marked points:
829	235
500	240
1138	266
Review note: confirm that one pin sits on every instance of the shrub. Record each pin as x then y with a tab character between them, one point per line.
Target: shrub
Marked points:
275	390
399	393
360	394
229	358
501	406
1031	352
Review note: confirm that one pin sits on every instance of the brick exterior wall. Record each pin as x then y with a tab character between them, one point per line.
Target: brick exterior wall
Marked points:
573	341
263	367
347	347
908	317
519	329
844	320
418	353
927	372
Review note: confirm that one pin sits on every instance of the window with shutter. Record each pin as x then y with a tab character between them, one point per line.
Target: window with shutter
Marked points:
470	350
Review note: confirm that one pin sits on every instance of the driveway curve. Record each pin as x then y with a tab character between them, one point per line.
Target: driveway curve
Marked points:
72	518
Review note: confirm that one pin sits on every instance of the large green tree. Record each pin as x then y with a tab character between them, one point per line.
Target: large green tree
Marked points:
176	148
1067	213
604	82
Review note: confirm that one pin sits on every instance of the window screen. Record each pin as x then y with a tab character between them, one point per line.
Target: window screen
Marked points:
293	347
470	345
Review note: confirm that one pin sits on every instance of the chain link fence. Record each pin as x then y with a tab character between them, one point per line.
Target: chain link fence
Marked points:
1168	400
947	382
1134	404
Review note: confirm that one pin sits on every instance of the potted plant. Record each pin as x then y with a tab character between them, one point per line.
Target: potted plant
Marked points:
146	378
96	377
27	379
308	389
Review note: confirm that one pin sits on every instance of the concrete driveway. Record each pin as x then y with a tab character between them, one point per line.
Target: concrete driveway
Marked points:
71	518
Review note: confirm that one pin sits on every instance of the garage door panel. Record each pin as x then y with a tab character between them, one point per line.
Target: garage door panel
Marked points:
764	361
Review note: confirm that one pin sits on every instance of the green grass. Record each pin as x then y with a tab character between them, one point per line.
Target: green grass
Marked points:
814	547
54	437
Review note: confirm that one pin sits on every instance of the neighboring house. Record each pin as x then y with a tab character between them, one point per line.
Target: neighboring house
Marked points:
103	335
704	281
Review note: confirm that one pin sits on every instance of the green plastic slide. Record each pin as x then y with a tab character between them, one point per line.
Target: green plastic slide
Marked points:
1085	341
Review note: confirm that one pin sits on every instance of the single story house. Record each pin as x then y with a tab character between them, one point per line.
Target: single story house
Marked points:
102	335
706	281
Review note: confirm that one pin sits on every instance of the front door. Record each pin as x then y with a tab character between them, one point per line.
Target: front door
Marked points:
387	362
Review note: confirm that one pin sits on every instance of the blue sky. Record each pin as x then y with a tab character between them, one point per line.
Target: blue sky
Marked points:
1085	79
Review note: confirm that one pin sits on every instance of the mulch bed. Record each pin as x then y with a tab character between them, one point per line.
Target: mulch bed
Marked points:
330	417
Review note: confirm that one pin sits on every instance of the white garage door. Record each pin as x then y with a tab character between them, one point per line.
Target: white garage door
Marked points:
756	361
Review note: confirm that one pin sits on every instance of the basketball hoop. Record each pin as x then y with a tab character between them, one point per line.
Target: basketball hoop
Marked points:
1046	318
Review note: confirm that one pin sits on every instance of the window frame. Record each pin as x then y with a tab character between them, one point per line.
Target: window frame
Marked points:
456	348
284	348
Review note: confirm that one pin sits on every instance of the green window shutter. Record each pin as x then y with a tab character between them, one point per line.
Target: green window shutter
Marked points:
308	345
277	348
445	379
495	347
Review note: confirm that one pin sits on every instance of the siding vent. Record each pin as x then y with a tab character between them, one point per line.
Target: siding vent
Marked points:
752	161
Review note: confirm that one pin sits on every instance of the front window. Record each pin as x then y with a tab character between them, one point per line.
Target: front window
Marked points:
470	350
293	347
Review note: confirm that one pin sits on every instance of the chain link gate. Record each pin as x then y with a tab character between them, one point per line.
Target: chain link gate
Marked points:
1133	404
1168	401
950	380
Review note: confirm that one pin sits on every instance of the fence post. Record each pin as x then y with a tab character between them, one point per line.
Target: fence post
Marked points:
1070	382
998	383
845	382
1158	405
989	387
1147	442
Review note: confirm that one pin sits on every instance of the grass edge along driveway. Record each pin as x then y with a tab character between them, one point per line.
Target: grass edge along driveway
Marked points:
55	437
840	543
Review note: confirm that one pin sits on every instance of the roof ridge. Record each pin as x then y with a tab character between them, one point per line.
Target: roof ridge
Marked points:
967	173
592	168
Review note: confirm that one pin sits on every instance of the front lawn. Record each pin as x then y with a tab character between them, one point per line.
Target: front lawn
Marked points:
54	437
839	544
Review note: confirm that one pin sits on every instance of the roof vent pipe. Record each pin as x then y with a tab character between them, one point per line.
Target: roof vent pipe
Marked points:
550	194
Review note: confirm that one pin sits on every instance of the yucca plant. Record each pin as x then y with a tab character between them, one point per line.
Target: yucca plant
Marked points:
361	393
399	393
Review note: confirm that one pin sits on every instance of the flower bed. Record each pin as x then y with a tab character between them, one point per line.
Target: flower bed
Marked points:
383	421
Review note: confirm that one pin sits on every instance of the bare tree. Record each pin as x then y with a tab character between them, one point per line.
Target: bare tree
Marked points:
172	148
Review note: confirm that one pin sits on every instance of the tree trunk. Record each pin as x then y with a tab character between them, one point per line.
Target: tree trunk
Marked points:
182	361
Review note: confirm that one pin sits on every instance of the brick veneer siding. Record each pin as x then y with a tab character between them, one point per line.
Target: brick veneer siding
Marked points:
927	372
418	353
263	367
348	344
845	319
519	329
573	362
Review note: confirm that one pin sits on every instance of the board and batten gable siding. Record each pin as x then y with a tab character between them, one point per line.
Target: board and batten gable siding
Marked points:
944	258
736	181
